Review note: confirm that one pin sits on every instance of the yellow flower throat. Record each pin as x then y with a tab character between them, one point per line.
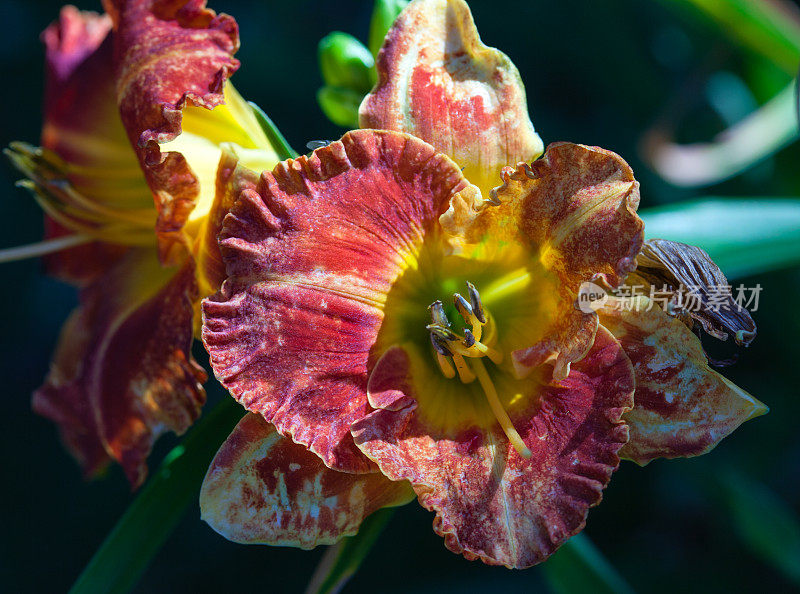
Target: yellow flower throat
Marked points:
463	355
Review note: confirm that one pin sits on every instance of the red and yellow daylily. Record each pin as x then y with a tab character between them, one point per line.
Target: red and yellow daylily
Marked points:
138	114
399	316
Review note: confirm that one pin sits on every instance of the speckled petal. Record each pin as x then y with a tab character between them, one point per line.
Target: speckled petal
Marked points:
169	55
310	259
83	128
574	212
262	488
491	503
682	407
123	372
437	81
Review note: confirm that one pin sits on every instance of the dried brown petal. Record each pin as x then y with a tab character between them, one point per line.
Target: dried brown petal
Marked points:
697	282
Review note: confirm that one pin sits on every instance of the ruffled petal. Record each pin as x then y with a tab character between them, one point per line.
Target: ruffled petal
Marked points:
573	213
438	82
682	407
169	55
83	129
123	372
262	488
310	259
491	503
232	179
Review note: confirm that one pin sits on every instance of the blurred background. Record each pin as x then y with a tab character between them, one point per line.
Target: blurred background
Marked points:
632	76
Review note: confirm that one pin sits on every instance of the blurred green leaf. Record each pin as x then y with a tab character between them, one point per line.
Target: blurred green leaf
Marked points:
155	512
341	561
274	136
770	29
579	567
758	136
765	523
345	63
340	105
744	237
383	15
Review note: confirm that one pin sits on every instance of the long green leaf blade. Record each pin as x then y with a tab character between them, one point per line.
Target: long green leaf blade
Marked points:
579	567
765	28
743	237
155	512
274	136
342	560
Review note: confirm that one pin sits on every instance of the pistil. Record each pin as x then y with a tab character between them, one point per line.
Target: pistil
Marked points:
499	412
462	354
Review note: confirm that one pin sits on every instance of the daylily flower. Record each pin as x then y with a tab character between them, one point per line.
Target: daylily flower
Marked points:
399	316
137	116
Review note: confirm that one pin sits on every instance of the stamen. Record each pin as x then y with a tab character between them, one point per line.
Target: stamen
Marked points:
466	312
446	366
499	412
442	332
438	316
469	338
495	355
42	248
440	346
477	306
464	372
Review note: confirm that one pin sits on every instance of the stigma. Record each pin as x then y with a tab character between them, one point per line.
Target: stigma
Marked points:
462	354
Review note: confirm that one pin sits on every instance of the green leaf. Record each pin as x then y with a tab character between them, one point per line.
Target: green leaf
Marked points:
761	134
155	512
344	62
762	27
383	15
765	523
743	236
341	561
274	136
340	105
579	567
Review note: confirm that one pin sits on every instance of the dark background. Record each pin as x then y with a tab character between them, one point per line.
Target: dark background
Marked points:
596	72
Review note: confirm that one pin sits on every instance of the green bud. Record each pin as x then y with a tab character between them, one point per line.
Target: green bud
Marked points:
340	105
383	15
345	62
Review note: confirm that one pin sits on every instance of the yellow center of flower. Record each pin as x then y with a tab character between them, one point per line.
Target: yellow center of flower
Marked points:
463	354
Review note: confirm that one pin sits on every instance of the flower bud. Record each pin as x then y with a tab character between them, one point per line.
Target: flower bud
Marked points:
345	63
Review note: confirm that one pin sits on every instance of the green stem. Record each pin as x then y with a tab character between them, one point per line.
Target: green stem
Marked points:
158	508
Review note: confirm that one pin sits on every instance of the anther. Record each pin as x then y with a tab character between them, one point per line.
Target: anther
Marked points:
469	338
441	332
438	316
475	300
463	307
440	347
